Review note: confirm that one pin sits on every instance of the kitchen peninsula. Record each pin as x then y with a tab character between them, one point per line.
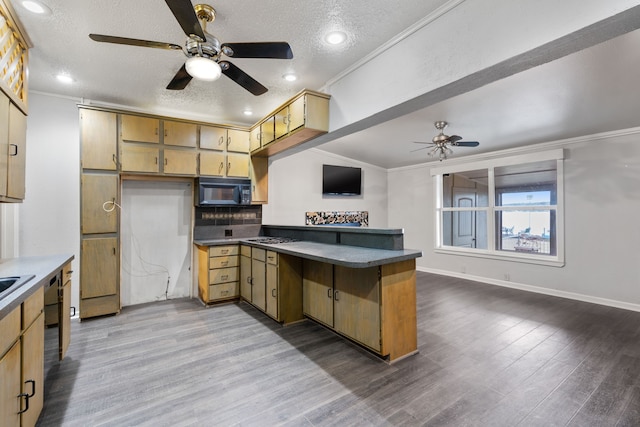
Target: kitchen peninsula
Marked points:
359	282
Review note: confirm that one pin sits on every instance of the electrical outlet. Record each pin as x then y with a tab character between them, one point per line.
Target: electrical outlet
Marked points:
228	233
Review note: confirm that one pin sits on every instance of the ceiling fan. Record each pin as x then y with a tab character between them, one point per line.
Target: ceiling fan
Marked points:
440	143
204	51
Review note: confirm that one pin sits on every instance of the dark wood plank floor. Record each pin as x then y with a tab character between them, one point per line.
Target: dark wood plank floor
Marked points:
489	356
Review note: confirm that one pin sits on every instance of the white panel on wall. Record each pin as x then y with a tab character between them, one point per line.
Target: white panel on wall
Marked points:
156	230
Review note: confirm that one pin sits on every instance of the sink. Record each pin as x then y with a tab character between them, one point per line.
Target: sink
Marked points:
11	283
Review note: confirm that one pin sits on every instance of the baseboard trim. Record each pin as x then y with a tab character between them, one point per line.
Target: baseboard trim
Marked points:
536	289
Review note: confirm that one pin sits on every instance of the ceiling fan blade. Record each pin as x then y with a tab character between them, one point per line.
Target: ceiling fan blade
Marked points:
186	17
422	142
276	50
133	42
242	78
421	148
466	144
454	138
180	80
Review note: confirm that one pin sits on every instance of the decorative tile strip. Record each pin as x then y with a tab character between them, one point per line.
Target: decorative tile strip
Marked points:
353	218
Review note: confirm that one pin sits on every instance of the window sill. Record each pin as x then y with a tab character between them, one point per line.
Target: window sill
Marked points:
511	257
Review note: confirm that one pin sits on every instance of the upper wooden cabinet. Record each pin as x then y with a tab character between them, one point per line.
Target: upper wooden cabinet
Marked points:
303	118
99	216
139	129
212	163
4	142
259	174
13	141
98	136
213	138
180	133
139	158
254	139
238	141
180	162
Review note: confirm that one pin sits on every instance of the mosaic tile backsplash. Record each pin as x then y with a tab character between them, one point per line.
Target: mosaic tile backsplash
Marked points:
352	218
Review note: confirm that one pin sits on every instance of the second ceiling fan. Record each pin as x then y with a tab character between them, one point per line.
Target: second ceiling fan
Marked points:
204	51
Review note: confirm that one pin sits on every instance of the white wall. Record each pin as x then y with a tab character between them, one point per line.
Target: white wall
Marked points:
50	213
295	187
602	202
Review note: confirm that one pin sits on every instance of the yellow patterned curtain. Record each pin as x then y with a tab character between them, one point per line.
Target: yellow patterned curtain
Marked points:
13	59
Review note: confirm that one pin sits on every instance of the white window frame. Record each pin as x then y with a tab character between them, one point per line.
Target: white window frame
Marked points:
492	252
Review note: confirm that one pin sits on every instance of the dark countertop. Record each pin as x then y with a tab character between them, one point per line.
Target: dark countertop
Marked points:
344	255
44	268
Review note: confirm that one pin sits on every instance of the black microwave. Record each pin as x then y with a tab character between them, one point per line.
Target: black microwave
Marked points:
223	191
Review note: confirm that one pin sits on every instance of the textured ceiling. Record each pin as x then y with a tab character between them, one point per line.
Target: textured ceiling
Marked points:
136	76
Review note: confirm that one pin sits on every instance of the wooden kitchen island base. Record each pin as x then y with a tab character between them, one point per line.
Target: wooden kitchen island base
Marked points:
373	306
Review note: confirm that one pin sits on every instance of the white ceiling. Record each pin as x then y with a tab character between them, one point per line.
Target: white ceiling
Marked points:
591	91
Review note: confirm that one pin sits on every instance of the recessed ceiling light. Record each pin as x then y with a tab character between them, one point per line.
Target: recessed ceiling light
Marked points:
335	37
247	112
64	78
290	77
34	6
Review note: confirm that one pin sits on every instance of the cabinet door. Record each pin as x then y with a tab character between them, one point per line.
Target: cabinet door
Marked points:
4	142
254	139
357	304
96	190
139	129
213	138
317	291
212	163
17	147
238	165
33	370
180	133
64	306
180	162
10	387
267	131
259	174
245	277
139	158
281	123
258	279
296	114
99	139
99	267
272	291
238	141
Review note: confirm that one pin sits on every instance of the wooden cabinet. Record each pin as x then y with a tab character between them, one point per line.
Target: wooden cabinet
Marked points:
13	142
212	163
139	158
238	141
373	306
213	138
218	273
283	287
258	278
99	277
99	139
64	311
245	272
290	118
259	174
267	131
180	162
254	139
22	366
139	129
237	165
180	133
99	192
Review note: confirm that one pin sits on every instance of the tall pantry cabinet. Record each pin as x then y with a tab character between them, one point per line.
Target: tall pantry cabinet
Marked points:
99	218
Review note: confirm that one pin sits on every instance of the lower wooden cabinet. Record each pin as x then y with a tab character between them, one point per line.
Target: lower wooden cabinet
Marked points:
218	273
99	277
374	306
22	365
259	278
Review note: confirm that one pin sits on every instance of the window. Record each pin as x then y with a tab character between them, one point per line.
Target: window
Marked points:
502	208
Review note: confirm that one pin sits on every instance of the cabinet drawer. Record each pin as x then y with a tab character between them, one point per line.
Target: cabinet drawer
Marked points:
223	250
10	327
272	257
66	273
32	307
223	261
224	290
259	254
245	250
223	275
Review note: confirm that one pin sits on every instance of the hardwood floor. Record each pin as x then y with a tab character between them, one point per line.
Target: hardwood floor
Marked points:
489	356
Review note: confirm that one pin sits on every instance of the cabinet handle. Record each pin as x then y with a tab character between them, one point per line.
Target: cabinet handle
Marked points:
259	136
114	159
329	295
221	167
335	296
156	160
225	263
249	281
228	141
284	119
225	277
156	131
224	251
273	293
114	251
165	161
26	403
228	167
15	153
166	132
224	293
69	272
33	387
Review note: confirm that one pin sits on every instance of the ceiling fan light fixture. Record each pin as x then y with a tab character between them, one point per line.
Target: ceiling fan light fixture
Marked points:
202	68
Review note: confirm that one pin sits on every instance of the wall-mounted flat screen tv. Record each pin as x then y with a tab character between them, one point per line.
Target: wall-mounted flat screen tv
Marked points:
342	180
